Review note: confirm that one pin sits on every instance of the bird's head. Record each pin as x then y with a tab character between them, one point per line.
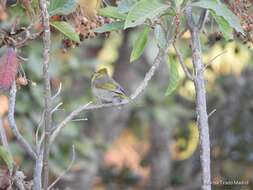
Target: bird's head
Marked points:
99	73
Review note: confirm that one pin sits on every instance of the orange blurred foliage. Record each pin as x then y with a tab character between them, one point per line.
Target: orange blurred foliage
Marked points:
128	151
3	14
3	105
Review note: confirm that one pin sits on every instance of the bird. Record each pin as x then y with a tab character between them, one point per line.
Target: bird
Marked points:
106	89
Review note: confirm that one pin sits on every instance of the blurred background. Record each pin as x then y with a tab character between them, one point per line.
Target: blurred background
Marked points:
154	145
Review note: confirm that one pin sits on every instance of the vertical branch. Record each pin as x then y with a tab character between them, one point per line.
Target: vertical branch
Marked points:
3	135
47	89
202	115
38	171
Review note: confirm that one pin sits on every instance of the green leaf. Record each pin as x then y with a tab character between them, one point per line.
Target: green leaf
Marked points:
170	11
223	26
6	157
66	29
140	44
110	27
112	12
178	4
174	78
126	5
143	10
221	10
160	36
62	7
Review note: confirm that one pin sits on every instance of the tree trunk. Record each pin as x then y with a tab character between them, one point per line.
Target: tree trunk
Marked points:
159	156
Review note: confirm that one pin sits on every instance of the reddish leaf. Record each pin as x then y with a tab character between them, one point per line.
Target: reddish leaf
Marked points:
8	68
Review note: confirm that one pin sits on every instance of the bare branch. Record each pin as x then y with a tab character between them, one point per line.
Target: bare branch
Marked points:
201	107
47	89
37	132
3	135
37	176
202	19
211	113
212	60
181	61
56	107
69	167
190	22
68	119
20	138
58	91
150	73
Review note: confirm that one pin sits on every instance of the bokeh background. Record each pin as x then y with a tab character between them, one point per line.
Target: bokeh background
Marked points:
152	144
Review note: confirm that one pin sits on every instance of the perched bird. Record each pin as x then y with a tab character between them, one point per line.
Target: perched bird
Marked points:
106	89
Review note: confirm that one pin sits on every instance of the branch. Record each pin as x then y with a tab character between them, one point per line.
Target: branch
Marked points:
150	73
91	106
68	119
213	59
47	89
202	19
15	38
58	92
201	107
20	138
181	61
38	170
190	22
3	135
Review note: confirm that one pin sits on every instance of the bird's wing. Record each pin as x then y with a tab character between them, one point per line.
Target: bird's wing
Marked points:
112	86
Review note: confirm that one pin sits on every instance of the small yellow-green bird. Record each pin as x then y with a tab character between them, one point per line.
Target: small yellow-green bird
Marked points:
106	89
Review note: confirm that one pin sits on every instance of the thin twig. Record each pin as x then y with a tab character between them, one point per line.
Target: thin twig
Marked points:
67	170
68	119
202	19
47	89
211	113
20	138
80	119
56	107
37	132
212	60
150	73
58	91
183	65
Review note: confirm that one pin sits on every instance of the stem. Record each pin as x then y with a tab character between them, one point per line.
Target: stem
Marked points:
47	89
38	171
3	136
202	19
202	116
201	111
22	141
